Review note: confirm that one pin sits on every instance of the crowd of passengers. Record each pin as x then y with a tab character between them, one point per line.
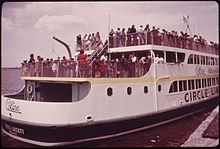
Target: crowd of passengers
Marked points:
89	42
143	36
125	66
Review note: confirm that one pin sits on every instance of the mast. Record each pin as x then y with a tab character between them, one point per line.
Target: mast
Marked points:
66	46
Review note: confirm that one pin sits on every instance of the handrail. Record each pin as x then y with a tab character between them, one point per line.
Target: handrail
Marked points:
97	54
67	46
89	45
143	38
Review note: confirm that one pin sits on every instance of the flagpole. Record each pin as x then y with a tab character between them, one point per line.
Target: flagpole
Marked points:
108	29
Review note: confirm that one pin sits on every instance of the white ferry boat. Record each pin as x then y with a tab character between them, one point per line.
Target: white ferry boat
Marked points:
75	107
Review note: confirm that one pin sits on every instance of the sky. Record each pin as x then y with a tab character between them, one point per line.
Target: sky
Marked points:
29	27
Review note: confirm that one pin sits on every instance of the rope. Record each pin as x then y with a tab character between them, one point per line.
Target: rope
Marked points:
53	51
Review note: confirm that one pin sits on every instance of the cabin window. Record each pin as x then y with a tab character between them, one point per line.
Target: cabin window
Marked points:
170	57
184	85
203	83
213	81
190	59
173	87
180	57
109	91
196	59
129	90
209	82
198	83
212	61
207	60
191	84
180	86
202	60
145	89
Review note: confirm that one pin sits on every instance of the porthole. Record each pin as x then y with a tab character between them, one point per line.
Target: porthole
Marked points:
109	91
145	89
129	90
159	88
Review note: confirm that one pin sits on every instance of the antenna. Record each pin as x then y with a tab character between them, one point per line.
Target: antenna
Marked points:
186	21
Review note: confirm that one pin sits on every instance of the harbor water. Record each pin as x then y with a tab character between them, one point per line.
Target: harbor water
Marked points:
172	134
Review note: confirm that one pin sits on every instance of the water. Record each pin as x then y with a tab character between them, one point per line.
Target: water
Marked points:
11	81
169	135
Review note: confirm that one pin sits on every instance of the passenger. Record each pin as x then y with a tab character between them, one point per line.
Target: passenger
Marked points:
118	38
31	64
160	60
97	39
141	66
46	68
104	57
103	67
129	39
79	42
141	35
95	67
123	37
147	34
38	67
24	67
82	63
54	68
58	67
52	73
131	65
118	68
92	41
31	58
156	58
64	67
134	35
148	63
154	34
124	66
88	42
84	40
111	38
72	67
159	37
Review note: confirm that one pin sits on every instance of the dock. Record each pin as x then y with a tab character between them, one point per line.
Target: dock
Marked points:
207	133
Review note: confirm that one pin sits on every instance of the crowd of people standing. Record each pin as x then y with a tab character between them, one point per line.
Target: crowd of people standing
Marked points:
125	66
143	36
88	42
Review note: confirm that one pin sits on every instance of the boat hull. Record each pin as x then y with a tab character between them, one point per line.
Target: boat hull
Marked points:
69	134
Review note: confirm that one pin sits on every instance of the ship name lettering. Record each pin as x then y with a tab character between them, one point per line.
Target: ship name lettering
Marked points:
11	106
200	94
14	130
199	70
213	70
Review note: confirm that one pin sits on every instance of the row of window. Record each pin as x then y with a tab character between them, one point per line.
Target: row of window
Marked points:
181	85
203	60
171	57
129	91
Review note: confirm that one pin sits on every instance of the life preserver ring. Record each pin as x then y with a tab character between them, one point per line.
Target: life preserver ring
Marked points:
29	89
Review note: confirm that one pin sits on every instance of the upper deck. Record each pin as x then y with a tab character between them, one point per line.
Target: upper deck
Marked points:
139	52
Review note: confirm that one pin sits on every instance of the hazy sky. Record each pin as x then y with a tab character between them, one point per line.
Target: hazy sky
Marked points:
28	27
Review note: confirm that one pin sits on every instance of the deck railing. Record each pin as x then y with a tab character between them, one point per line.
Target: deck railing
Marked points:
136	39
85	69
